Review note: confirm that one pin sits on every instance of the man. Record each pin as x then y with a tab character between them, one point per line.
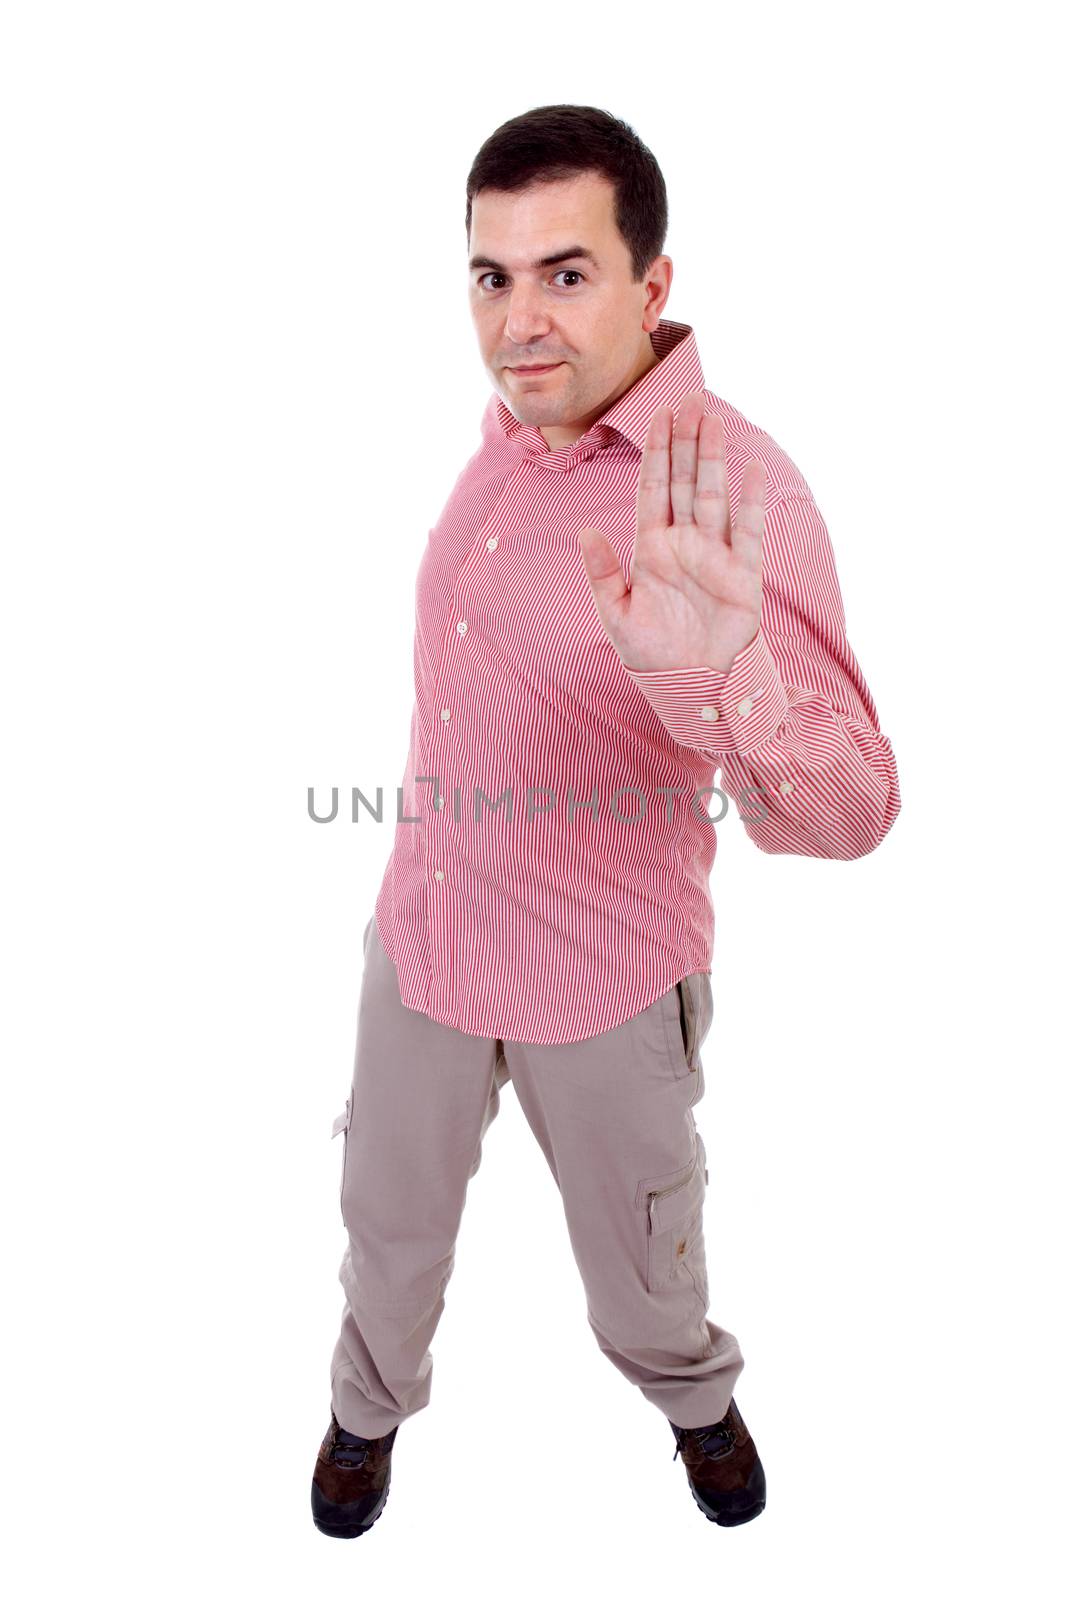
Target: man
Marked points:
629	588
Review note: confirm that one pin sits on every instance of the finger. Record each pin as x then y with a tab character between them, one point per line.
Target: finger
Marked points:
654	483
746	529
711	501
684	455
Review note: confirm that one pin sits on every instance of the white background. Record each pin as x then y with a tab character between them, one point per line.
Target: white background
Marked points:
239	378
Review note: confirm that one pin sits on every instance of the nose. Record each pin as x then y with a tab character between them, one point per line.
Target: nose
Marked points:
527	317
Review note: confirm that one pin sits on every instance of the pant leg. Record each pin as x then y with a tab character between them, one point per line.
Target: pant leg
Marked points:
614	1117
423	1096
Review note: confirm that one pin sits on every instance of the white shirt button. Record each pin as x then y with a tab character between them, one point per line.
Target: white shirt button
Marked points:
461	627
439	875
491	544
446	715
709	713
438	801
785	787
744	706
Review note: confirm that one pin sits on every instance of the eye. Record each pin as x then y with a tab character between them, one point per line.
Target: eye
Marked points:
485	281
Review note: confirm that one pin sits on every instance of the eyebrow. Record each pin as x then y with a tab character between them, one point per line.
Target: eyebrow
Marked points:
574	252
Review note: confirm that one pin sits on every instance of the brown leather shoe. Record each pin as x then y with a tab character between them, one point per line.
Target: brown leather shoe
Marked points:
726	1476
351	1481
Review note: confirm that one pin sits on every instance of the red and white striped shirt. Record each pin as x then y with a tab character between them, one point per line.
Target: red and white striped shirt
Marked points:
570	909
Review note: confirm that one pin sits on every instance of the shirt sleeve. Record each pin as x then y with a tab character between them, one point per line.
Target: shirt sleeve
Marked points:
792	724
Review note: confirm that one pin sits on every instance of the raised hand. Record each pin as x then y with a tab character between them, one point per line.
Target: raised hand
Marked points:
696	581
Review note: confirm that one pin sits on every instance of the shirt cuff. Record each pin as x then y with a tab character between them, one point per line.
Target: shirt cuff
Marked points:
720	712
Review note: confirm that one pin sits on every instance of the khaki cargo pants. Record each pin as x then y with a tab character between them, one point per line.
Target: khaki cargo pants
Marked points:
614	1117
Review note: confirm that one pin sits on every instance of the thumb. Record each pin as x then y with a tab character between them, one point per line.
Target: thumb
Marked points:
605	574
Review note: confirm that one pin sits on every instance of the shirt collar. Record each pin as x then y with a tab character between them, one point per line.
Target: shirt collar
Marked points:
677	370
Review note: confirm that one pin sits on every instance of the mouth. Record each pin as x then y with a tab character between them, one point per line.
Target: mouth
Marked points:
533	372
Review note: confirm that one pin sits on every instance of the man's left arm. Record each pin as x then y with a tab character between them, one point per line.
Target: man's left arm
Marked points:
792	723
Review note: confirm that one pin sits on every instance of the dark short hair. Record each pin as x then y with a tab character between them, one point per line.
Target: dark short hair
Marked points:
553	142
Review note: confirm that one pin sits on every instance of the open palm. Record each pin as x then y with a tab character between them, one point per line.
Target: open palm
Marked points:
696	579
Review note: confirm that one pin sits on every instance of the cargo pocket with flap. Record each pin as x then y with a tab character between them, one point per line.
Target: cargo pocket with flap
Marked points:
340	1125
672	1208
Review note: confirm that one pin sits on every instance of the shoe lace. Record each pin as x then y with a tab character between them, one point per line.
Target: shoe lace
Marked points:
716	1430
350	1454
350	1449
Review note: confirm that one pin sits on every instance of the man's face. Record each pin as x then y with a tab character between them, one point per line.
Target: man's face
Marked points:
582	315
